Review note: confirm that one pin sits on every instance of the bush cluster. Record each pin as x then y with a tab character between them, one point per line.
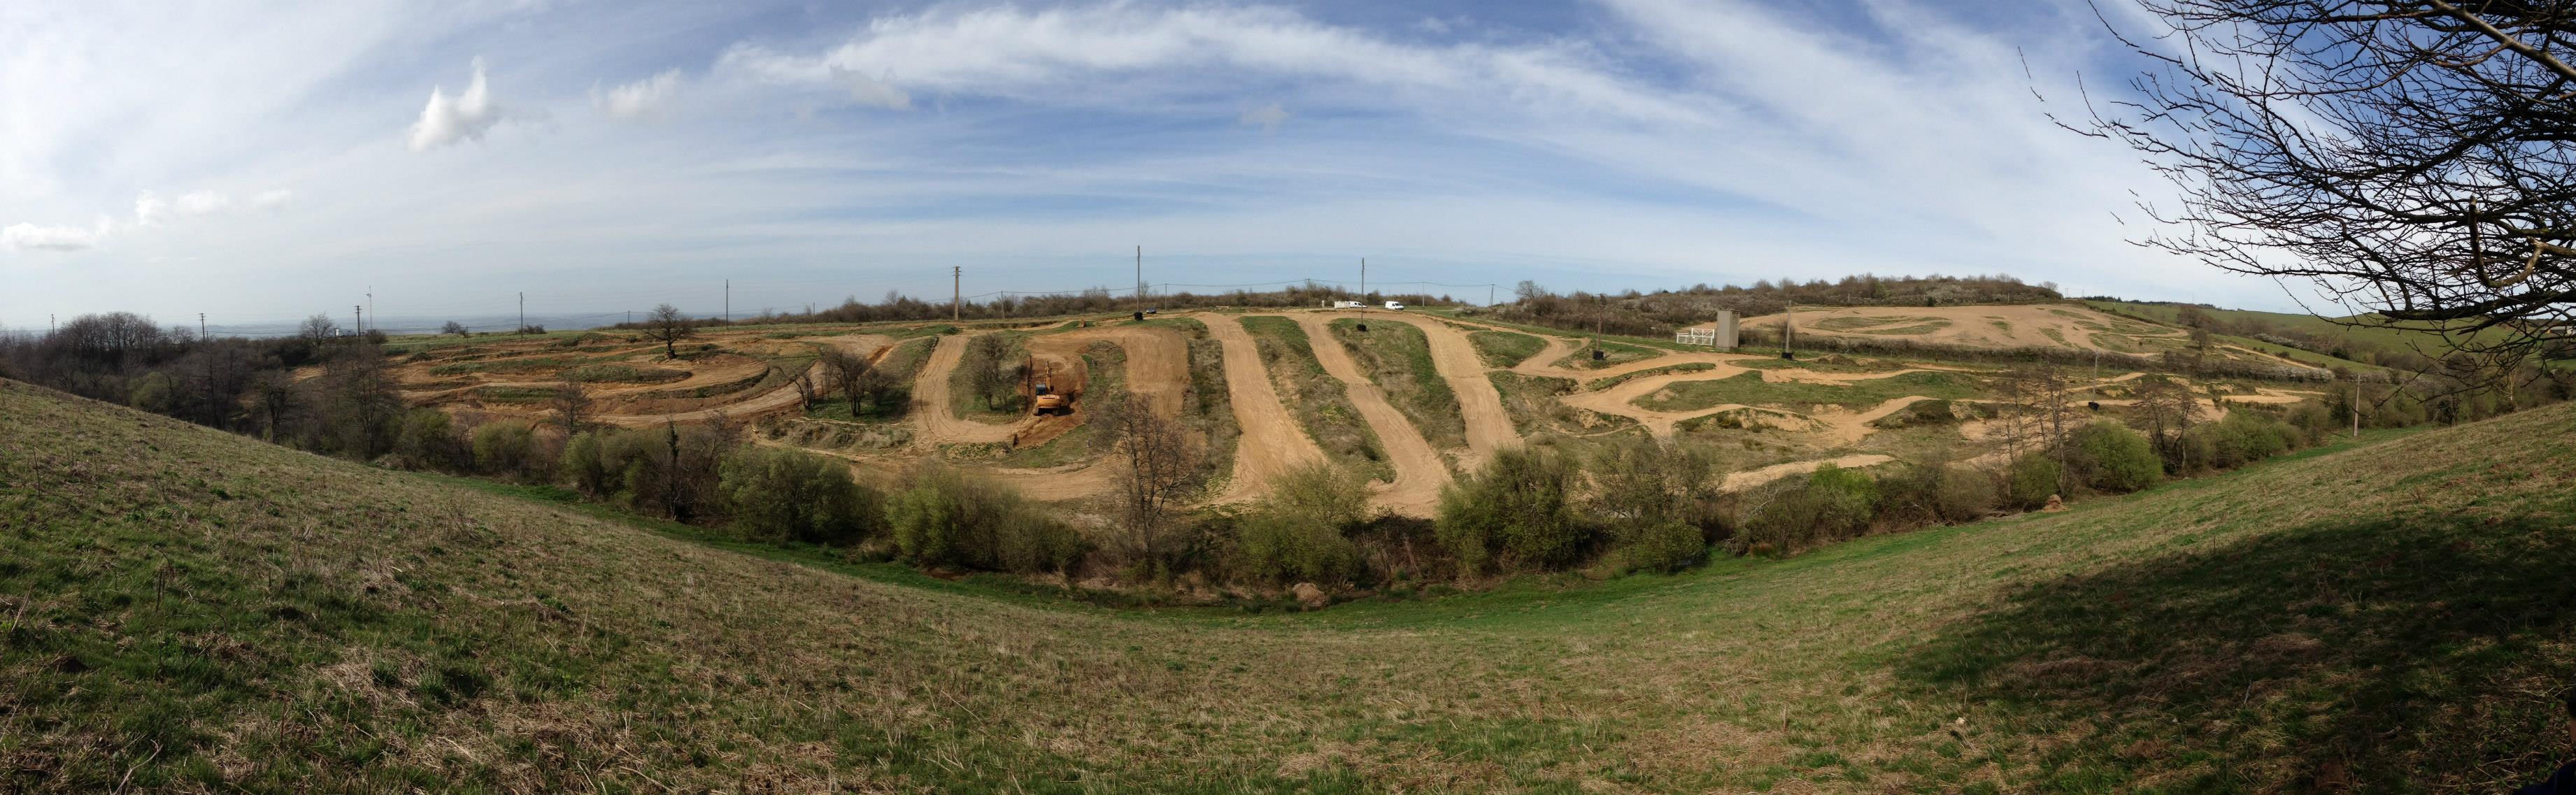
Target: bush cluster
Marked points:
946	518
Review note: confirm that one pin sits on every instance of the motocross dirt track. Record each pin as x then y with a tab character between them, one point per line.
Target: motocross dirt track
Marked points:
1419	470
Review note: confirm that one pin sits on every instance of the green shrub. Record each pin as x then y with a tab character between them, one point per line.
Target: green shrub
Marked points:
2109	457
428	441
1829	504
2033	478
1300	533
155	392
504	448
777	494
1964	494
1650	496
948	519
1514	514
584	466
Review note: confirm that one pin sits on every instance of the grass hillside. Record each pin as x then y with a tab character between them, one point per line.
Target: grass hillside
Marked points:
187	610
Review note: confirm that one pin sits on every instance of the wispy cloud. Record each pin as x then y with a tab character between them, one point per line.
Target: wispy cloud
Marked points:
1267	117
648	97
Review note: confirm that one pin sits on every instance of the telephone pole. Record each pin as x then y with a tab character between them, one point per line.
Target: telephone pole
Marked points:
1363	278
523	313
728	302
371	301
1140	275
956	293
1789	331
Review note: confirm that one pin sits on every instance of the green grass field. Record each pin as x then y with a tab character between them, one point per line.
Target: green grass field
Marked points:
191	611
1501	349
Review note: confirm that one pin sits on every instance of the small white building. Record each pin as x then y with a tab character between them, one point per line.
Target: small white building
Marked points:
1348	304
1720	335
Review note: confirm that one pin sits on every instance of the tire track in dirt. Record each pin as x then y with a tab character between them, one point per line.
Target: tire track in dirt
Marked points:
1489	427
1739	481
1157	371
778	399
936	422
1419	470
1272	442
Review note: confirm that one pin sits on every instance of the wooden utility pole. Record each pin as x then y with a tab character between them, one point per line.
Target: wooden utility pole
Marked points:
523	314
956	293
1789	331
2356	406
1140	275
1363	279
371	302
728	302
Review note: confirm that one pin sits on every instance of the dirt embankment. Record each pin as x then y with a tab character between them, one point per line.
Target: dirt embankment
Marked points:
1489	427
1272	443
1419	470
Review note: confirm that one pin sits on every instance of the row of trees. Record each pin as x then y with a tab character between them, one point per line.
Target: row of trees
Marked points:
1658	313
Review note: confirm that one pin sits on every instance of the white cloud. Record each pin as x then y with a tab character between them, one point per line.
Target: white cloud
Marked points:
1267	117
204	203
31	237
651	96
446	121
151	210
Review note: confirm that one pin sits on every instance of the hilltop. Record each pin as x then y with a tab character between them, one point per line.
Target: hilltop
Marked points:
189	610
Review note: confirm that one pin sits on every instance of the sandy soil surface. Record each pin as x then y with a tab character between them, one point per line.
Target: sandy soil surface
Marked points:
936	423
1739	481
1272	443
1972	326
1419	470
1489	427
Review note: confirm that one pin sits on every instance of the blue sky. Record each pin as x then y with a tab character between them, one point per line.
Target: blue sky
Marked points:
263	162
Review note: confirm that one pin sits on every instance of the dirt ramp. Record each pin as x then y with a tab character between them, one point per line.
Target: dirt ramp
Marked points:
1419	470
938	423
1489	427
1272	443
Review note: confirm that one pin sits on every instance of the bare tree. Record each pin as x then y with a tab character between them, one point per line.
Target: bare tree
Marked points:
318	328
455	328
2168	409
667	325
571	405
2038	409
808	389
985	373
846	373
1157	467
2411	159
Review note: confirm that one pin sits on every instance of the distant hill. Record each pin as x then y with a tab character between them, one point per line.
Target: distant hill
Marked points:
2352	338
188	610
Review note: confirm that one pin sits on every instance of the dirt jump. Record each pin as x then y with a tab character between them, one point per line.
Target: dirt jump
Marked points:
1489	427
1272	444
1419	470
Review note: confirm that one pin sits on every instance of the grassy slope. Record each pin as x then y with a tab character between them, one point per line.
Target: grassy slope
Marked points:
1501	349
184	606
2392	339
1398	358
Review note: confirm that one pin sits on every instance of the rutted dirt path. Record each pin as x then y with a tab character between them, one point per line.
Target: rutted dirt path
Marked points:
1739	481
1419	470
1489	427
1272	443
938	423
778	399
1157	371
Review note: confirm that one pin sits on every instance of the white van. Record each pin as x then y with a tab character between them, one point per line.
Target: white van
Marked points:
1394	305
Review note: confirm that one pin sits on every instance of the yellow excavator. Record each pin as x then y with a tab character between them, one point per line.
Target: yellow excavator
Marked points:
1043	398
